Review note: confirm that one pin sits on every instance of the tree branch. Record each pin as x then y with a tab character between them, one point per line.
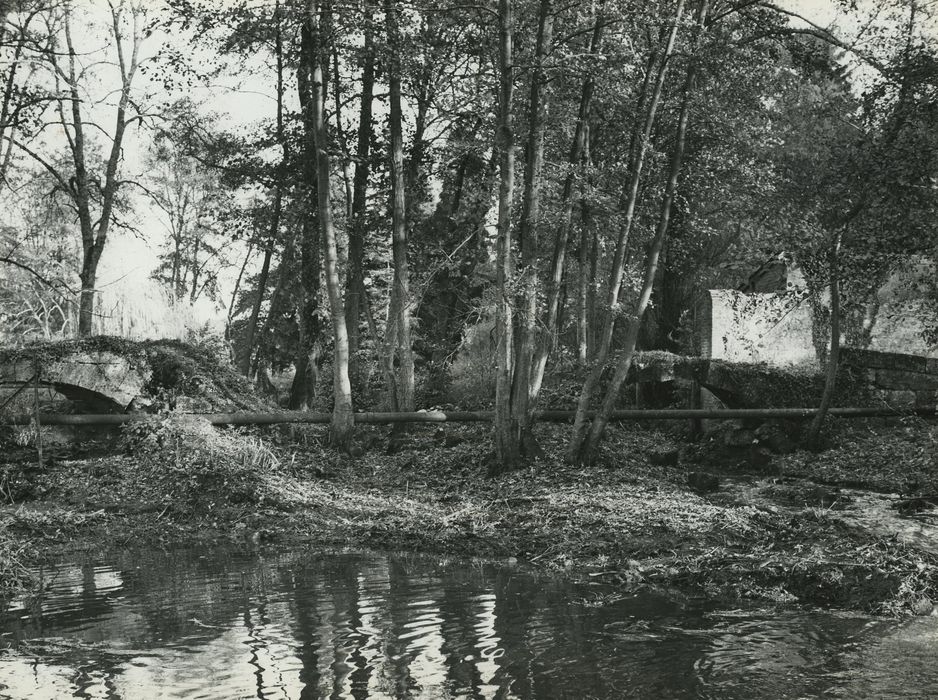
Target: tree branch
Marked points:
23	266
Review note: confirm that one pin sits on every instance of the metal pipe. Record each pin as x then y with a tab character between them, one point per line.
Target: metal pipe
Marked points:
553	416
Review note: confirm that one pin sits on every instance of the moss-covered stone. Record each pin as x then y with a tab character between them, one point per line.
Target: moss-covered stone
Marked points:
135	374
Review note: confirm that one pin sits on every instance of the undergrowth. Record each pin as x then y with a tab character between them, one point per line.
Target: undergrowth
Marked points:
15	574
186	462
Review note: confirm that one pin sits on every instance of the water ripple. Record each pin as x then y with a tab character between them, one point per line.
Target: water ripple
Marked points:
349	625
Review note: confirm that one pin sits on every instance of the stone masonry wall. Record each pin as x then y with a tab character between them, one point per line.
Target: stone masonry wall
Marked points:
771	328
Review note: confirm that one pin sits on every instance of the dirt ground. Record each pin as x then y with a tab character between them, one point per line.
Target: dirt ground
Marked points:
792	529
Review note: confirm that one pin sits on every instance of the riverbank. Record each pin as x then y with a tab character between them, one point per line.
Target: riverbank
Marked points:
791	531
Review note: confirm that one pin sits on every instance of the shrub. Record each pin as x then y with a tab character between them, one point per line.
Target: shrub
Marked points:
190	462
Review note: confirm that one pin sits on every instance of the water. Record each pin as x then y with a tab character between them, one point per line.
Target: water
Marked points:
222	624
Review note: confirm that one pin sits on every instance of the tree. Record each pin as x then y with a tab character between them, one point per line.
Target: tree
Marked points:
21	100
355	293
343	420
568	201
399	317
506	445
193	204
94	196
37	283
517	439
624	362
658	62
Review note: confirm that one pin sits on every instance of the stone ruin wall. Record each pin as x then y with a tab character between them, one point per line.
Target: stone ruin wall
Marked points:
777	329
774	328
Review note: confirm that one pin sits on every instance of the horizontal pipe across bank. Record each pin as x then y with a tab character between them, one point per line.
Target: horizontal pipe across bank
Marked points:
246	418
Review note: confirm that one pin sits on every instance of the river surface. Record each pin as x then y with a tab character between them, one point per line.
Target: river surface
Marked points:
304	624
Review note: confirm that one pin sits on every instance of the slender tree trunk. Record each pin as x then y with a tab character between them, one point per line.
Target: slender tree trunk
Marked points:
415	185
402	303
593	299
193	293
343	420
276	299
624	363
176	265
234	298
558	260
346	163
521	393
591	385
583	284
833	359
8	90
422	90
356	253
387	369
278	205
244	363
506	447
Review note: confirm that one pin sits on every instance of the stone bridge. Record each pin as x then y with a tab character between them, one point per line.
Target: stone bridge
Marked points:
104	380
114	375
903	379
866	376
98	381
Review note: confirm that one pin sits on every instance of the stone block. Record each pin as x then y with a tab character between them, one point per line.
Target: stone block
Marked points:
906	381
931	365
874	359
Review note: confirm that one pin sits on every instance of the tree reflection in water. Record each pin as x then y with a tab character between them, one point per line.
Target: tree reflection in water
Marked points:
354	625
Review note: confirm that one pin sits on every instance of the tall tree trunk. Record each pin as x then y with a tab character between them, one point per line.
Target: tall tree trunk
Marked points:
309	343
833	359
402	302
272	234
528	243
91	251
624	363
94	240
356	252
343	420
590	386
506	447
558	260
